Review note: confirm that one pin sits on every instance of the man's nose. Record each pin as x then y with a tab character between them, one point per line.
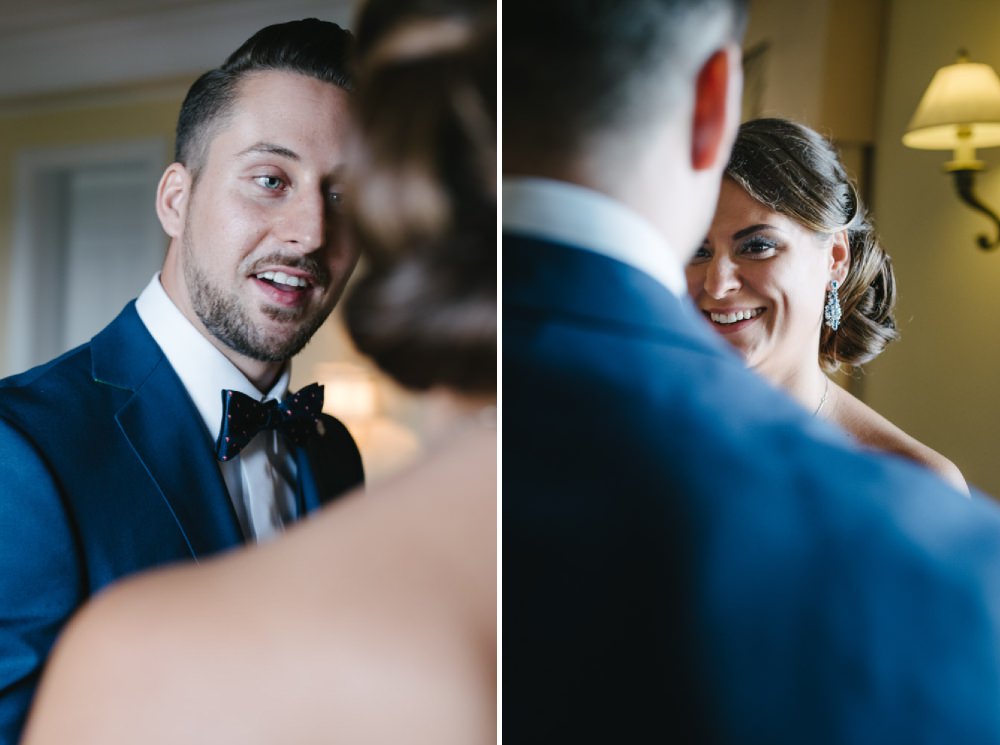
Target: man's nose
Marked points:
304	221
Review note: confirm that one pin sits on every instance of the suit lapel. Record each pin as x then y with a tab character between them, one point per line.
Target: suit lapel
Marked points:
167	434
328	466
307	495
176	450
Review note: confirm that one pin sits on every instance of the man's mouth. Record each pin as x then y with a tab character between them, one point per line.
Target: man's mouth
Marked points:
284	281
736	316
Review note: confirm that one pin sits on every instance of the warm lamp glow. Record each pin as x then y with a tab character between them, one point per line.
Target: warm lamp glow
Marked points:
960	110
349	391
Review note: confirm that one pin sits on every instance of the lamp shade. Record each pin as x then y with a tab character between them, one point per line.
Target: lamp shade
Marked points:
961	107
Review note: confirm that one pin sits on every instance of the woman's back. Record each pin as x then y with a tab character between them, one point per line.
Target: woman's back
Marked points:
373	622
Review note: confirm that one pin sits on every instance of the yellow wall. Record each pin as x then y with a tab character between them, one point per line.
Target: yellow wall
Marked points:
793	32
855	70
820	59
940	381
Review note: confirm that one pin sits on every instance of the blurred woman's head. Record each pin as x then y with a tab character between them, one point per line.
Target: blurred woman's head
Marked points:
423	193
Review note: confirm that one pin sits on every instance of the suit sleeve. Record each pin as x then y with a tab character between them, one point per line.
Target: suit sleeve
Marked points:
40	579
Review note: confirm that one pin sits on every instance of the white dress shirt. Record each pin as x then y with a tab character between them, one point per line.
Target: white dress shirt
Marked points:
261	479
584	218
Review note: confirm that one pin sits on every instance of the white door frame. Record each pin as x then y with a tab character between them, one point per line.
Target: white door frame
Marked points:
37	217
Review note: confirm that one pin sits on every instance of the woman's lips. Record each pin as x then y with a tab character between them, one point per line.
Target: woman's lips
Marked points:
731	320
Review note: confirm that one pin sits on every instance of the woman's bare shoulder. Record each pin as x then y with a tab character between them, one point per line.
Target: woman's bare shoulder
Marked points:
392	591
109	664
873	430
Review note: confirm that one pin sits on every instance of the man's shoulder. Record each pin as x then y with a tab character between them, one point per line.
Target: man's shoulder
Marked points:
67	384
65	371
331	429
698	420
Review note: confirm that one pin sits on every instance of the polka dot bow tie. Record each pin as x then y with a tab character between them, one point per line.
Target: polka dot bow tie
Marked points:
296	416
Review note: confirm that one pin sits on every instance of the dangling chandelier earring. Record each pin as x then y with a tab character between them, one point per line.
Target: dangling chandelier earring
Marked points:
831	313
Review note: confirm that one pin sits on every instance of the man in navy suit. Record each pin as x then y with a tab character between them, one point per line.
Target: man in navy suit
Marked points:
108	461
688	555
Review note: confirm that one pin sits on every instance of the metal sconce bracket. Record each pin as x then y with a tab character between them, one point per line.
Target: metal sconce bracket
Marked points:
964	181
960	111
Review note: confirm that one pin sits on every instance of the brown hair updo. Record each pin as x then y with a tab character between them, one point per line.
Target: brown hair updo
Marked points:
423	193
793	170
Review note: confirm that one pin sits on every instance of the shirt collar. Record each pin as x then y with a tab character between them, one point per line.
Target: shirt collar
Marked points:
584	218
203	369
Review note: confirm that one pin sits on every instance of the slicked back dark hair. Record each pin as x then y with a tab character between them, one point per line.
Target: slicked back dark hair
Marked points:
317	49
574	69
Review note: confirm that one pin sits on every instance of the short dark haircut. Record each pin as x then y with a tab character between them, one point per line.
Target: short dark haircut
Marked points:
318	49
423	195
795	171
573	69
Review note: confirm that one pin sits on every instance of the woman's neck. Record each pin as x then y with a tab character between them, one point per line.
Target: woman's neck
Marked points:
807	384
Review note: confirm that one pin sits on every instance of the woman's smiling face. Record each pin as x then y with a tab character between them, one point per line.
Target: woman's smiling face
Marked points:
760	279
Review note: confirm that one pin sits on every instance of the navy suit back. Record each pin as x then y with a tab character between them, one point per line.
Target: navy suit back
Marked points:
689	556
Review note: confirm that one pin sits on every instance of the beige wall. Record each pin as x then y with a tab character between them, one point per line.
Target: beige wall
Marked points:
819	62
940	381
855	70
793	33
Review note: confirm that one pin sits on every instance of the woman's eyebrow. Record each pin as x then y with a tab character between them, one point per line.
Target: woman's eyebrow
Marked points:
751	229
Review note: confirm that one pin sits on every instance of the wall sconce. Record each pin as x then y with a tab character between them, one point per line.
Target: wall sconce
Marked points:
960	111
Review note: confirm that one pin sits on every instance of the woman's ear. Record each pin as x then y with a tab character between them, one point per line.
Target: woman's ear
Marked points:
172	198
840	256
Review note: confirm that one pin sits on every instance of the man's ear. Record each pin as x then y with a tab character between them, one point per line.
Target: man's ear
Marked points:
717	99
840	256
172	199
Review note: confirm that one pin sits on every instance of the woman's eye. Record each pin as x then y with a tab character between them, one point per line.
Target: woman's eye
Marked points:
271	183
758	246
702	254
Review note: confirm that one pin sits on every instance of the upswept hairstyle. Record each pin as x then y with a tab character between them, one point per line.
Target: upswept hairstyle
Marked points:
793	170
576	70
318	49
422	191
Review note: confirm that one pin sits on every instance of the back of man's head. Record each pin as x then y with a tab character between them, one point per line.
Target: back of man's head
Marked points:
577	70
317	49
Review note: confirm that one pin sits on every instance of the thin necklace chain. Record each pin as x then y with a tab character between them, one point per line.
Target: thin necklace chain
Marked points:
826	390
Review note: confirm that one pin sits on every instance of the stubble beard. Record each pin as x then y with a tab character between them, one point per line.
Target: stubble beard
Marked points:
226	318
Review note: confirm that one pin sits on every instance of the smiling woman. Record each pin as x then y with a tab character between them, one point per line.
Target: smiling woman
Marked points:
793	276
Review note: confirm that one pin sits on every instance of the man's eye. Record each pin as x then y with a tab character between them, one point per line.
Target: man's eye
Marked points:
336	198
272	183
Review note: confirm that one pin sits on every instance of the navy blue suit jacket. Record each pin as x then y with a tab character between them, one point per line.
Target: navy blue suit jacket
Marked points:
106	468
691	557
